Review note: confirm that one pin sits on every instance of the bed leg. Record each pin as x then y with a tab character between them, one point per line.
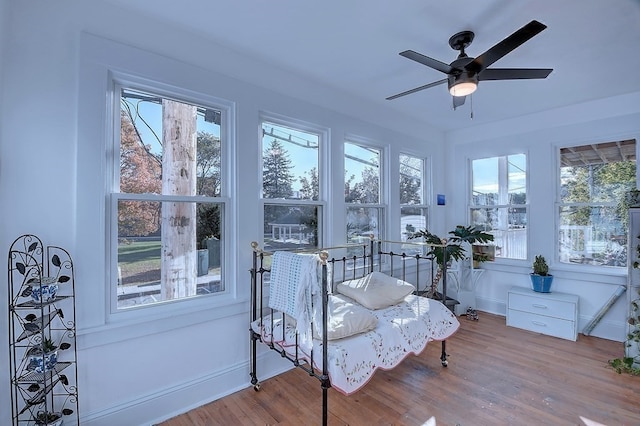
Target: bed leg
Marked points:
325	399
254	375
443	356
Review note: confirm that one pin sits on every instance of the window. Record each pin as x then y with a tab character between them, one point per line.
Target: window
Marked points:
413	210
168	206
593	221
499	202
363	194
291	188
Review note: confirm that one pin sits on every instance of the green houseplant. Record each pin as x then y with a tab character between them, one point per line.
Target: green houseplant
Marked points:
451	248
541	279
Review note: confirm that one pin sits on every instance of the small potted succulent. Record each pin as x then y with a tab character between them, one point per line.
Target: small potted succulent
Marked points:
43	356
48	418
540	278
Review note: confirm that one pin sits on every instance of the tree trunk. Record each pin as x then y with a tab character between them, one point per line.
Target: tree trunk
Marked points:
179	256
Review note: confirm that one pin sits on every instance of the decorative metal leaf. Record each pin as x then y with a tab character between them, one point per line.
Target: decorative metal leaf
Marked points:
64	379
20	267
64	346
32	247
60	313
31	280
31	317
55	260
27	291
32	327
67	411
34	387
63	279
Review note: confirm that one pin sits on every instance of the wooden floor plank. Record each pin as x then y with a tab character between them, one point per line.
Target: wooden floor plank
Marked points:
497	375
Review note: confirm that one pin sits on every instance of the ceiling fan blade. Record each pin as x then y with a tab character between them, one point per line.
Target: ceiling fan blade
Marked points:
425	60
417	89
514	73
505	46
458	101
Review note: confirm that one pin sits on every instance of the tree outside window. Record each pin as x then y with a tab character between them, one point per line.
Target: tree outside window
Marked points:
365	211
413	209
291	186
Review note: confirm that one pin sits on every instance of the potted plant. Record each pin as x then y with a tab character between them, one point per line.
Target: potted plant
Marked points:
540	278
450	248
43	356
48	418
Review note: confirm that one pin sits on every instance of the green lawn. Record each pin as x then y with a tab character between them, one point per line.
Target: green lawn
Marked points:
139	261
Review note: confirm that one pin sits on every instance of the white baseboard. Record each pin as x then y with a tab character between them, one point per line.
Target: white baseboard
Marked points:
169	402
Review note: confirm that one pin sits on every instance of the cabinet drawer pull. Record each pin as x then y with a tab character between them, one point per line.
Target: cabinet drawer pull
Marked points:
541	324
537	305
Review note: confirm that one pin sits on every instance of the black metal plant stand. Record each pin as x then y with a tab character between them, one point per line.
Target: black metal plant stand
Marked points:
42	334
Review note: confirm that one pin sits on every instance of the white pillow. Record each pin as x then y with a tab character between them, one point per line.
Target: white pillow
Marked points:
376	290
346	318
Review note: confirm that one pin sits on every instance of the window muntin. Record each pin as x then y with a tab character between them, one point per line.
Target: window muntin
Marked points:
499	202
168	209
292	212
413	209
365	213
593	221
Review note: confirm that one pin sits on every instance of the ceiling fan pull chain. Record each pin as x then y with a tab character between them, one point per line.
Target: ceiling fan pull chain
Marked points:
471	105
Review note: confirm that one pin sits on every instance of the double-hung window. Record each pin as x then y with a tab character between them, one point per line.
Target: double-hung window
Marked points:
363	191
498	202
414	212
291	184
592	214
168	201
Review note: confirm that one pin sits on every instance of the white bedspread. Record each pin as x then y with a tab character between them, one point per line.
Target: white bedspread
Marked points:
402	329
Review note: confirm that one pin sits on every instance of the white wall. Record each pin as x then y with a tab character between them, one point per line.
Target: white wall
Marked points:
4	225
137	372
540	136
52	182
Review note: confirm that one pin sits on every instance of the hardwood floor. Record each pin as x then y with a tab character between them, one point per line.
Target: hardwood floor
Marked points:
497	375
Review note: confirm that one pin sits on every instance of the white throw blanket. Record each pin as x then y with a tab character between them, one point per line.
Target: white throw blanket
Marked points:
294	279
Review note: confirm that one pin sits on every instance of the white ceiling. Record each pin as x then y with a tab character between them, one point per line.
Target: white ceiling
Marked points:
353	45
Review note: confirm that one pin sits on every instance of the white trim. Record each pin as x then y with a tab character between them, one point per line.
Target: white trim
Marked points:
102	63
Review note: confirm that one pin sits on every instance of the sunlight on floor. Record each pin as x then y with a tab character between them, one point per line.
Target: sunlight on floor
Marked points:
588	422
430	422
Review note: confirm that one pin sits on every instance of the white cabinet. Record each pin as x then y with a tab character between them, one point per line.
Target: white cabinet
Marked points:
554	314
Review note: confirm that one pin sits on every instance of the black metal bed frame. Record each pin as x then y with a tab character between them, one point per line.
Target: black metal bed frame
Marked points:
367	259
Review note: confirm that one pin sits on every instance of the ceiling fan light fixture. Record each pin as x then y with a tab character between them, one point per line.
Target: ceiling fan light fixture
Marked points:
463	89
462	85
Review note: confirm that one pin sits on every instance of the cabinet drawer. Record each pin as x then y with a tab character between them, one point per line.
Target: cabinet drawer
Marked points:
543	306
565	329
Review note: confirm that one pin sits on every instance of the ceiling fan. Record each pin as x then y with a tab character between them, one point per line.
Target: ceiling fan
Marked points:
465	72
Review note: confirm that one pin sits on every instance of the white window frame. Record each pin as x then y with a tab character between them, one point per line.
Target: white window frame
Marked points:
503	196
227	109
382	205
609	269
424	205
324	171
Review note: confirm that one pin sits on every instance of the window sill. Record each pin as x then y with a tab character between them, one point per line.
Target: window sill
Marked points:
588	273
124	326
